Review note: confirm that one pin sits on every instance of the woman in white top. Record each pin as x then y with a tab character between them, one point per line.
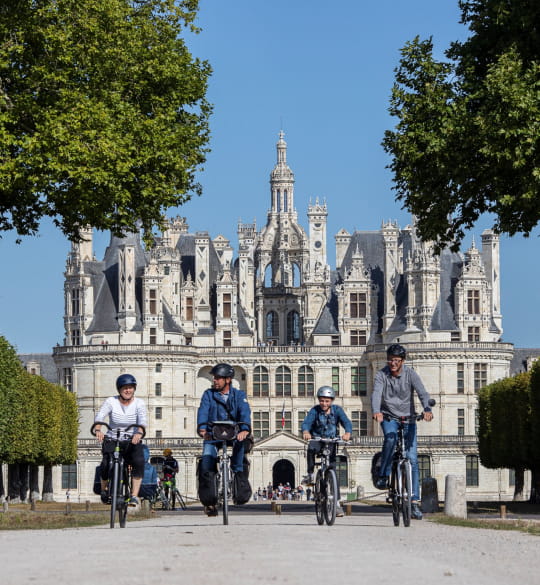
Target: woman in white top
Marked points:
122	411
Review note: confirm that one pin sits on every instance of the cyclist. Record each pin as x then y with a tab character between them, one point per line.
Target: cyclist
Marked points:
123	410
393	396
170	465
150	479
323	420
222	402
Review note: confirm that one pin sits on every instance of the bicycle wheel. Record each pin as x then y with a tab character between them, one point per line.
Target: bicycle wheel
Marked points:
123	496
179	499
225	486
113	489
406	491
319	497
394	494
331	489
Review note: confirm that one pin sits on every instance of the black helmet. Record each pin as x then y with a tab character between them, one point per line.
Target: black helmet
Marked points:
125	380
397	350
222	371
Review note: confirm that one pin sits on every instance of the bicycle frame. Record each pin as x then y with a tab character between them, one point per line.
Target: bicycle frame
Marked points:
326	491
400	493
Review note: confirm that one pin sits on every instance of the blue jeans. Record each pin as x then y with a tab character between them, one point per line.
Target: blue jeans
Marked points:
390	429
210	454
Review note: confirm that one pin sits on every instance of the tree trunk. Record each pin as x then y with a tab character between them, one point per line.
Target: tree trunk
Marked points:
2	492
534	498
14	483
34	483
47	491
519	474
23	480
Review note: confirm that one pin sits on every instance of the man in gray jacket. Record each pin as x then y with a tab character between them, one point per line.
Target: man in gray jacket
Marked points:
392	398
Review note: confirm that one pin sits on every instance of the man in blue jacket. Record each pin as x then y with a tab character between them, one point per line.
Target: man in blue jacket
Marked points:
323	420
219	403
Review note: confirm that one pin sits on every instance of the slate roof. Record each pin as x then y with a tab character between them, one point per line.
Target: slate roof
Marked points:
48	369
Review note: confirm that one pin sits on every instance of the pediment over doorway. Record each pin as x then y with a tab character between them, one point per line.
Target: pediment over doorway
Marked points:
280	440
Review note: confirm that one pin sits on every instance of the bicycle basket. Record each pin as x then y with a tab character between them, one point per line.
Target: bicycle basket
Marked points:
224	431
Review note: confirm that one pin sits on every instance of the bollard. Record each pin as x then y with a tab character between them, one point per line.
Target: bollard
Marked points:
33	505
87	505
430	495
68	509
455	502
278	509
348	509
5	506
503	511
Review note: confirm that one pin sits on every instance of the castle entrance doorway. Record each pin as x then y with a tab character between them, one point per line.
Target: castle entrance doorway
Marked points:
283	472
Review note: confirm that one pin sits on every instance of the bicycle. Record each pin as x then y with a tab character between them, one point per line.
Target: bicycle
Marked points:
225	432
400	491
120	484
326	491
172	493
160	498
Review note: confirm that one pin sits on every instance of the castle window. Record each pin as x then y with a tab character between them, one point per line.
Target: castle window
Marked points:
261	424
473	333
153	301
76	337
473	302
159	412
455	335
357	305
283	381
480	376
75	302
334	340
69	476
260	381
189	308
280	418
158	388
460	378
305	381
167	270
293	327
67	379
424	467
272	325
359	421
227	339
335	379
153	336
461	421
471	471
158	368
359	381
227	305
358	337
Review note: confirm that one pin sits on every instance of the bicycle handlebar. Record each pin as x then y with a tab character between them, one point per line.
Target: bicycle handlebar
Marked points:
118	431
338	440
415	417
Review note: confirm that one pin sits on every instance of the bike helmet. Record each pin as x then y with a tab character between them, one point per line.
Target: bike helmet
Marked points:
222	371
125	380
397	350
167	452
326	392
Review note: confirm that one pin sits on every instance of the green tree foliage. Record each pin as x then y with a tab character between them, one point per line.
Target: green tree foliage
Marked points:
38	420
103	116
467	141
534	399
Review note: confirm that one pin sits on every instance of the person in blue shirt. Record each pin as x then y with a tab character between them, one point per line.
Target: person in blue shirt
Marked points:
150	478
324	420
219	403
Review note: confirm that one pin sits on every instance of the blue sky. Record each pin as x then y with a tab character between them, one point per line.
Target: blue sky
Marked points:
323	73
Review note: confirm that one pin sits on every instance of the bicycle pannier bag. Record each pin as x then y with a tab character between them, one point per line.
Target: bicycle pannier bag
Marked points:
207	488
376	468
242	488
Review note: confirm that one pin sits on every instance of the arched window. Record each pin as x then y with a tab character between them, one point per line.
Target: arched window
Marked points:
471	466
272	325
296	275
293	327
305	381
260	381
283	381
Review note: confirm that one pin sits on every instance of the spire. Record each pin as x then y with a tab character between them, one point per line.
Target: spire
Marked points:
282	180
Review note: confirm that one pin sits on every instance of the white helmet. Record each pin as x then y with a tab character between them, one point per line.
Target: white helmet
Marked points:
326	392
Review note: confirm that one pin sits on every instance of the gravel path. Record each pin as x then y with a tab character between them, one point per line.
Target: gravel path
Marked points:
261	547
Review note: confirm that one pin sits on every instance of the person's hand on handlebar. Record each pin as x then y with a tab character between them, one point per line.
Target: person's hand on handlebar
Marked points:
137	436
428	415
99	435
242	435
203	434
306	435
346	437
378	417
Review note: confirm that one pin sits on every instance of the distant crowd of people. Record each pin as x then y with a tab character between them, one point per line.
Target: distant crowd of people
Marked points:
281	492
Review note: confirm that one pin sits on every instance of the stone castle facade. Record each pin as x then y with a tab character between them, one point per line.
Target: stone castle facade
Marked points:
288	323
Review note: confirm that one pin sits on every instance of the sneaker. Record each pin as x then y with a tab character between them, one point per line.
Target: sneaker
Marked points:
105	498
133	502
382	483
339	512
416	512
210	510
308	479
